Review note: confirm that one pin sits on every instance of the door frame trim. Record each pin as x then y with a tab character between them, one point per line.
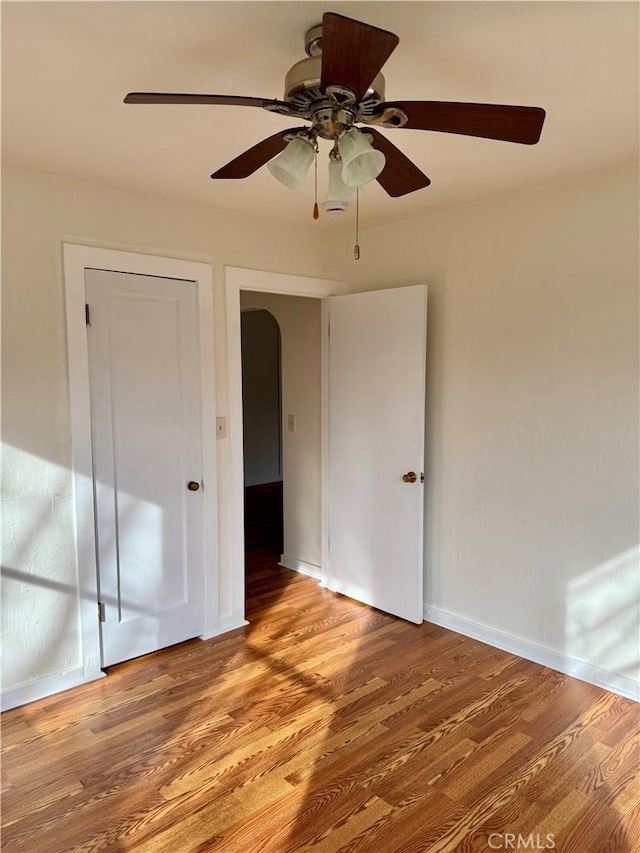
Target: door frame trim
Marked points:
237	279
77	258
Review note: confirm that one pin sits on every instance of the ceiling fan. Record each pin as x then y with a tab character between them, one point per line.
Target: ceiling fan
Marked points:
340	86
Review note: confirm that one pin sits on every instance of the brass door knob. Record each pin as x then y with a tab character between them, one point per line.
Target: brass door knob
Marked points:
410	477
193	486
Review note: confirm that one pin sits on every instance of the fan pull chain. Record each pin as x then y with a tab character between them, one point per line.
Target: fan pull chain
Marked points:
356	248
316	212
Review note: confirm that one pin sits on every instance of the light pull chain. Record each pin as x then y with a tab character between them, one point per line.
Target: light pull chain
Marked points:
316	212
356	248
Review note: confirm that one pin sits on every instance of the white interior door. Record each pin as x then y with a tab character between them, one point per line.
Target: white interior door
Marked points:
377	363
147	446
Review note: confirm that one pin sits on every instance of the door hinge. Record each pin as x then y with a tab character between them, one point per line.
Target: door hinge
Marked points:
101	612
87	314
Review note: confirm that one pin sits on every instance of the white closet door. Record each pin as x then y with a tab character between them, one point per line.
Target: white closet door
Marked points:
147	447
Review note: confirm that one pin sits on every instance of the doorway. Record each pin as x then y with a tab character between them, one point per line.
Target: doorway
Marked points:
382	333
78	260
262	432
281	350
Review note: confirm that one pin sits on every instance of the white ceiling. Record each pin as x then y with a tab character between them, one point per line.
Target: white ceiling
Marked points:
67	66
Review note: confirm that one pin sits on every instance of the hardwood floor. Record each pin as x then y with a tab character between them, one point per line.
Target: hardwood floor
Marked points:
324	726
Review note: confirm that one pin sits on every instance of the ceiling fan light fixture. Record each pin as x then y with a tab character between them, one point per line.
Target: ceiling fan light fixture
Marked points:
291	167
338	193
361	162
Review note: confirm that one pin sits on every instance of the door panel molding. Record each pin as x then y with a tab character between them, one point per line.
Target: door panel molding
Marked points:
76	259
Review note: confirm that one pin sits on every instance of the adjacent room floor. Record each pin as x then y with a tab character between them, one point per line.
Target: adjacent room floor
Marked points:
322	726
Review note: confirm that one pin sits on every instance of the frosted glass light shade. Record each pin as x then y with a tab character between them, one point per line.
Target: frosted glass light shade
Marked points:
338	193
291	167
361	163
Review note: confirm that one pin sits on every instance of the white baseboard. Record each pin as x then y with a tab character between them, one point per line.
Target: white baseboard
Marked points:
30	691
621	684
224	628
310	569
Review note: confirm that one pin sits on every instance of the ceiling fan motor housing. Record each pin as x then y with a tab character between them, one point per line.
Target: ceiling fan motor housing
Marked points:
332	113
303	79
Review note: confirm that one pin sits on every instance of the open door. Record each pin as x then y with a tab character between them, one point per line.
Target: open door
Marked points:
377	363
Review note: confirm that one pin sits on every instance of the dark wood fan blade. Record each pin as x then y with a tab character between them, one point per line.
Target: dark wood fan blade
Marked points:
399	176
353	53
220	100
251	160
491	121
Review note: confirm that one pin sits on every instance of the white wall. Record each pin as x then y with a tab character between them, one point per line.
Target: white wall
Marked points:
261	383
39	593
299	321
532	423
